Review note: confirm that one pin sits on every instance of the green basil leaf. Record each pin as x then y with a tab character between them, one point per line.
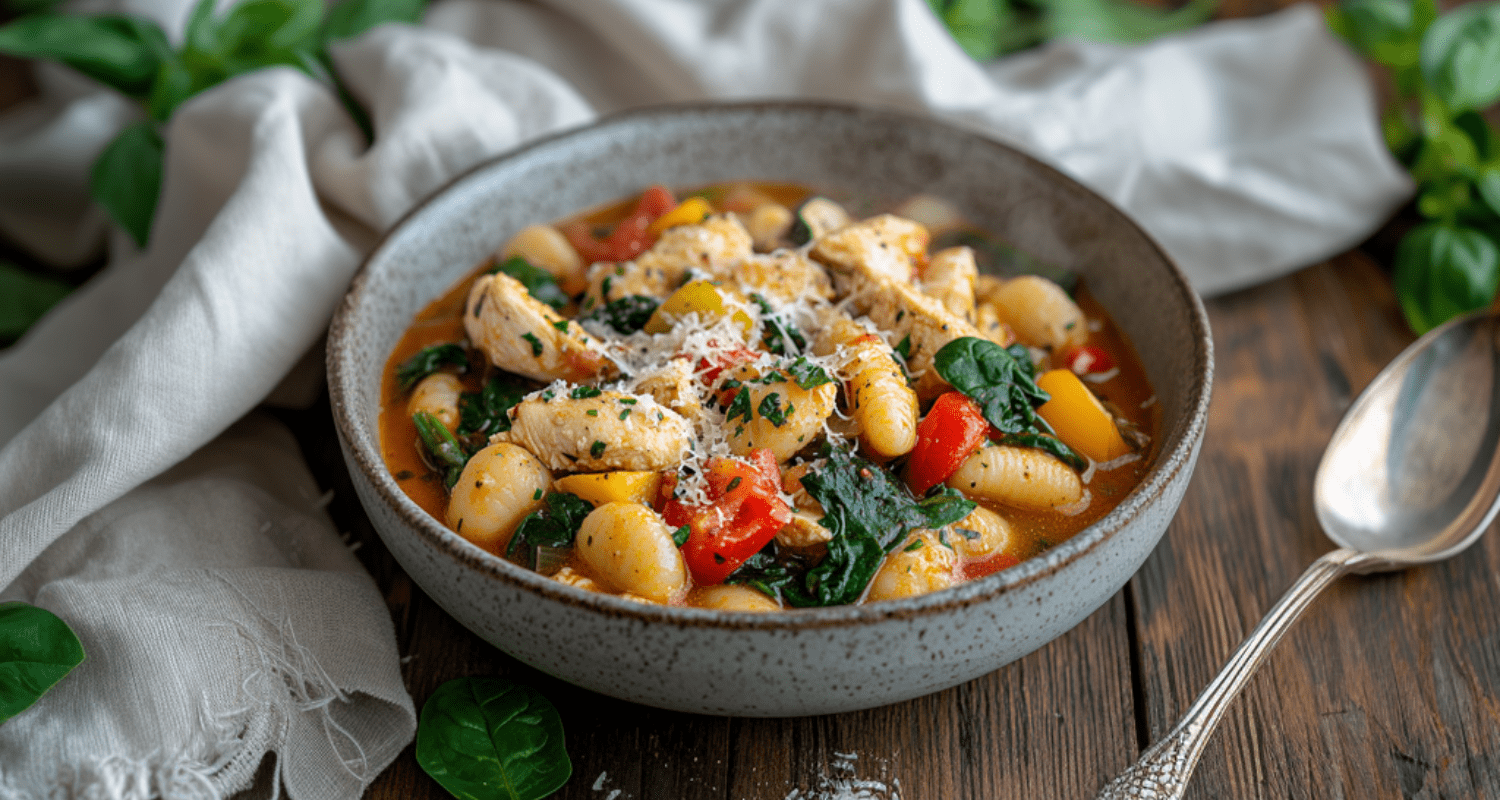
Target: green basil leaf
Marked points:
122	52
350	18
24	298
126	178
1444	270
253	35
1488	185
36	651
428	360
1388	32
1461	56
554	525
539	283
1122	21
491	739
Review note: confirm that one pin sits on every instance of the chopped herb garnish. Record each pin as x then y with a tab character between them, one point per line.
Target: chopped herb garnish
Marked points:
593	412
733	484
770	409
536	344
680	536
547	395
596	449
429	360
624	414
536	495
585	392
903	348
806	374
561	325
539	283
627	401
739	406
916	544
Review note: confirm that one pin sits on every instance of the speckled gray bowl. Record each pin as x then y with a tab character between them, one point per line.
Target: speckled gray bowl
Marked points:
799	662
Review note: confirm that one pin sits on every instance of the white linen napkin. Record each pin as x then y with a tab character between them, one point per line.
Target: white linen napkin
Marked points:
1247	148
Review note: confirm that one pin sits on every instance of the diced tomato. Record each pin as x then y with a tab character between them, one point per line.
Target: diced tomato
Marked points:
1088	358
745	511
946	437
631	237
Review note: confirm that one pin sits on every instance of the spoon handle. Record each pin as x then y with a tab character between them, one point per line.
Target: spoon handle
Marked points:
1162	772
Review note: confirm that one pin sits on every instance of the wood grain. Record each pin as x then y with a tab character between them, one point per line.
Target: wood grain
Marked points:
1388	688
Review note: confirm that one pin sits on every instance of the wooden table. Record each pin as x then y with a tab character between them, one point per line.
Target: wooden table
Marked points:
1389	688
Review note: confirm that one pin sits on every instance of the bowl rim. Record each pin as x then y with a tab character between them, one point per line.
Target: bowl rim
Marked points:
1161	475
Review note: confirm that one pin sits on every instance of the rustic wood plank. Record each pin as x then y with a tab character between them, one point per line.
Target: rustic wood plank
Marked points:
1055	724
1387	688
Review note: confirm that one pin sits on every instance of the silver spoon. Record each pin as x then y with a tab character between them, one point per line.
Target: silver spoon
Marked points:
1411	476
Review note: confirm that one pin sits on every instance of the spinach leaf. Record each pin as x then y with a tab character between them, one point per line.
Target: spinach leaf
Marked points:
868	511
554	525
24	298
126	179
1443	270
539	283
1461	56
625	315
996	379
488	410
429	360
351	18
1047	444
36	651
491	739
121	52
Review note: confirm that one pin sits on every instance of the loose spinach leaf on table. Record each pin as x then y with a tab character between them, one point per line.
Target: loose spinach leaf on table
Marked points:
539	283
624	315
491	739
868	511
428	360
554	525
24	298
1445	270
488	410
36	651
121	52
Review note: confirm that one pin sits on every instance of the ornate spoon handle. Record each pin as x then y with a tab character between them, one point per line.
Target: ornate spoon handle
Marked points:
1162	772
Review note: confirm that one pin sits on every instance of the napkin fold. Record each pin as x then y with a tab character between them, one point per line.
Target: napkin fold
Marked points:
223	618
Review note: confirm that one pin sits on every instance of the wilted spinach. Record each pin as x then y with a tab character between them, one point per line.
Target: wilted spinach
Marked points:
539	283
36	651
625	315
1002	382
487	411
428	360
491	739
554	525
868	511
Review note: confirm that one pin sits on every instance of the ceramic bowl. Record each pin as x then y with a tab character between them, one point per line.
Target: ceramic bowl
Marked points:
798	662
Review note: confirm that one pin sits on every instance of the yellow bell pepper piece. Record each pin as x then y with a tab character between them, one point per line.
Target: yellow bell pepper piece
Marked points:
701	297
611	487
689	212
1078	417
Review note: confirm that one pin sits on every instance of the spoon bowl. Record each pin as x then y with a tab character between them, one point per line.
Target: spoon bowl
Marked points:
1411	476
1412	471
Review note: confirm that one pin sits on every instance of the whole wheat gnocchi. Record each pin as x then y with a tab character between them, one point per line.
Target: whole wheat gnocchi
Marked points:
749	399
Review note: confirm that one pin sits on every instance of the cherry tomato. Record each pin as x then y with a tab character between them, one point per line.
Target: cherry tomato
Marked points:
630	238
745	511
949	434
1088	358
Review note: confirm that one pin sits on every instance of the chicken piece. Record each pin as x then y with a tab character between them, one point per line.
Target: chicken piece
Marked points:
921	321
718	243
674	386
880	248
785	275
521	334
950	278
605	432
